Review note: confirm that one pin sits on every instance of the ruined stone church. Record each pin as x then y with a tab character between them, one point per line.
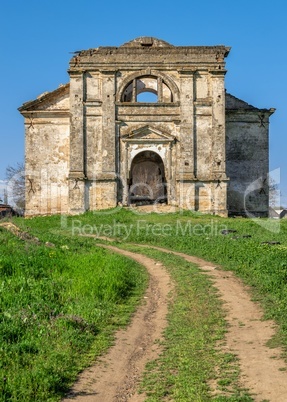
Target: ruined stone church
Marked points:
146	122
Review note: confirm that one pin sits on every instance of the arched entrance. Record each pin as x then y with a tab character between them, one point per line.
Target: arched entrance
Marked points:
147	184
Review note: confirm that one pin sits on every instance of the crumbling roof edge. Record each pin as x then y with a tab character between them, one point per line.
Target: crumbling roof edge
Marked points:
245	107
44	97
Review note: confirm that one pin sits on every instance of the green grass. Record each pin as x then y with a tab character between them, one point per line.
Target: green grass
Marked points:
59	307
263	267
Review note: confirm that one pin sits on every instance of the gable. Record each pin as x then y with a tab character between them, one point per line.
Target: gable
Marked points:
57	100
231	103
235	105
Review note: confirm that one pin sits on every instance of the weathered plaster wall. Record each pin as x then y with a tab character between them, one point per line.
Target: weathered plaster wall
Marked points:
47	154
247	148
47	166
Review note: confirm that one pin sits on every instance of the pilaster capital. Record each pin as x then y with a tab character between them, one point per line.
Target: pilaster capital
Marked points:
218	73
186	73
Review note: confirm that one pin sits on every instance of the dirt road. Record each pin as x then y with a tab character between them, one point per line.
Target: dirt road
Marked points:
115	377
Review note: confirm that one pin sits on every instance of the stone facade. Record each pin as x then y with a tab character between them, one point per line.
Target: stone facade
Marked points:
100	141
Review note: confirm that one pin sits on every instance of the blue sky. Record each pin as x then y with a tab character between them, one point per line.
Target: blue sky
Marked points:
38	36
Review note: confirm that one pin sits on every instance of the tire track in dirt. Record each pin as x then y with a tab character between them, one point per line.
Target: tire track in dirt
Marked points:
114	378
263	370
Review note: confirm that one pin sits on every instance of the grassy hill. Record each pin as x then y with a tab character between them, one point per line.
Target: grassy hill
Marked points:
62	297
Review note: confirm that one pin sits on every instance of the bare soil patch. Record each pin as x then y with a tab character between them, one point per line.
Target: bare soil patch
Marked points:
115	377
23	235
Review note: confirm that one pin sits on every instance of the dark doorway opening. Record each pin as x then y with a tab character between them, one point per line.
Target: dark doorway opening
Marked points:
147	184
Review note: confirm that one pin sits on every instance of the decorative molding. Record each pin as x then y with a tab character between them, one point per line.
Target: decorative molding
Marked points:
147	134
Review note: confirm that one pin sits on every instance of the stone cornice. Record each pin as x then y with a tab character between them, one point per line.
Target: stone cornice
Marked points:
253	111
220	51
218	72
143	104
34	113
191	178
174	57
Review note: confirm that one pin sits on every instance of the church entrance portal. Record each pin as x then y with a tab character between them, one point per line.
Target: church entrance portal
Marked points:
148	184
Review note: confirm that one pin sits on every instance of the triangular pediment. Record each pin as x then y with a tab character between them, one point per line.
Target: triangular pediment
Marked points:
58	99
148	133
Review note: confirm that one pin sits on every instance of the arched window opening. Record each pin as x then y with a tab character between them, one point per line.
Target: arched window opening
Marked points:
153	88
147	97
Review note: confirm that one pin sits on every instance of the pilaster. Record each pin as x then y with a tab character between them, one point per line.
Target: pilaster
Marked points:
218	125
186	165
77	139
77	144
108	123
